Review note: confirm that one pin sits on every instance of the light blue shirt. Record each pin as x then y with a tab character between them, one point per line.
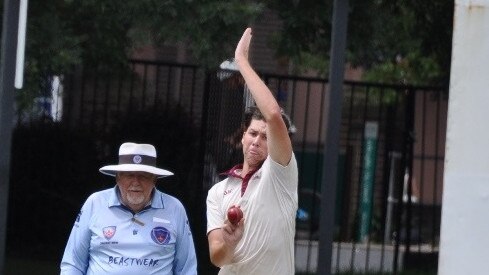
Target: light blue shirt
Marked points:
107	238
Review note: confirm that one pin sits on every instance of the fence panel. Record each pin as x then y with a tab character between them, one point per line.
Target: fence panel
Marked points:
390	164
379	166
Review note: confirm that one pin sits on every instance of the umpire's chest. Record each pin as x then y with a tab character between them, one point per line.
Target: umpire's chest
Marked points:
119	229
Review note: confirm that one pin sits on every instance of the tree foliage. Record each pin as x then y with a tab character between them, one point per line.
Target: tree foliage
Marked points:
209	29
101	34
393	41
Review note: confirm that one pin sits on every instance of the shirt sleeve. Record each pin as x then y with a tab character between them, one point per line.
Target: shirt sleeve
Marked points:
214	215
282	182
185	259
76	254
285	177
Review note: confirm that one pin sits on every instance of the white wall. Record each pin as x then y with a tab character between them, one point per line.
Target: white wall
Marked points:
465	210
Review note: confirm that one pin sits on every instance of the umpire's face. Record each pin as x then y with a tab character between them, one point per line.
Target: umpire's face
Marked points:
135	188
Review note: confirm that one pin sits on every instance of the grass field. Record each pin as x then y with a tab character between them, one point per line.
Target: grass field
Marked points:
15	266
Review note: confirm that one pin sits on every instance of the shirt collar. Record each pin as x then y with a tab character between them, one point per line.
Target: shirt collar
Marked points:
235	172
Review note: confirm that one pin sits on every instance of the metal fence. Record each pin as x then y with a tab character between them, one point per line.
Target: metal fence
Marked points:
390	165
389	168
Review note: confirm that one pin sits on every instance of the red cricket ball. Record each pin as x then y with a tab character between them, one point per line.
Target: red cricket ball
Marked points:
235	214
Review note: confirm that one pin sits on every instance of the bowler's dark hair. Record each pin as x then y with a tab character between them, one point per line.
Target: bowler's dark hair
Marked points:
254	113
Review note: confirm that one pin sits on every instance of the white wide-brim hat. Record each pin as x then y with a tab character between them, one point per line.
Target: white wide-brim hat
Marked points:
134	157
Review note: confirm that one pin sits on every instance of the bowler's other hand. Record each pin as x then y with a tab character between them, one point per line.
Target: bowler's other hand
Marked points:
243	47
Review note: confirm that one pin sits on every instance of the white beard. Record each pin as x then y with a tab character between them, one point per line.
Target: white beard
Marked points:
135	199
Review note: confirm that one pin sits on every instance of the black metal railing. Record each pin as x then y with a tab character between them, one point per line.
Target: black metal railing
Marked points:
390	164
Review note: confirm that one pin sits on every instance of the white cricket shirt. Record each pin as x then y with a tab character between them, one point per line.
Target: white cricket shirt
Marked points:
269	207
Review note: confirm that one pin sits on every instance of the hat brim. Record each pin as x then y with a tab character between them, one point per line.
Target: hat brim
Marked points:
112	170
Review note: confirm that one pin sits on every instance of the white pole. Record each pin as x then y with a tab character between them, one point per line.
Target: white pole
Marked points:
464	226
19	64
391	199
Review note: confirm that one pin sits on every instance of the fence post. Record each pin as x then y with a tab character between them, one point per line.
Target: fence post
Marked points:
406	163
7	74
332	113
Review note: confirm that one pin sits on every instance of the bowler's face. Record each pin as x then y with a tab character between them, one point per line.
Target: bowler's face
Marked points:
255	147
136	188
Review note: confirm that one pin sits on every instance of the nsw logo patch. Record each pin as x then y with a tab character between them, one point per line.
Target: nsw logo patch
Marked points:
160	235
109	232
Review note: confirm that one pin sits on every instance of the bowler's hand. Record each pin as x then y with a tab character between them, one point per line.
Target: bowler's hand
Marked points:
232	234
223	242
